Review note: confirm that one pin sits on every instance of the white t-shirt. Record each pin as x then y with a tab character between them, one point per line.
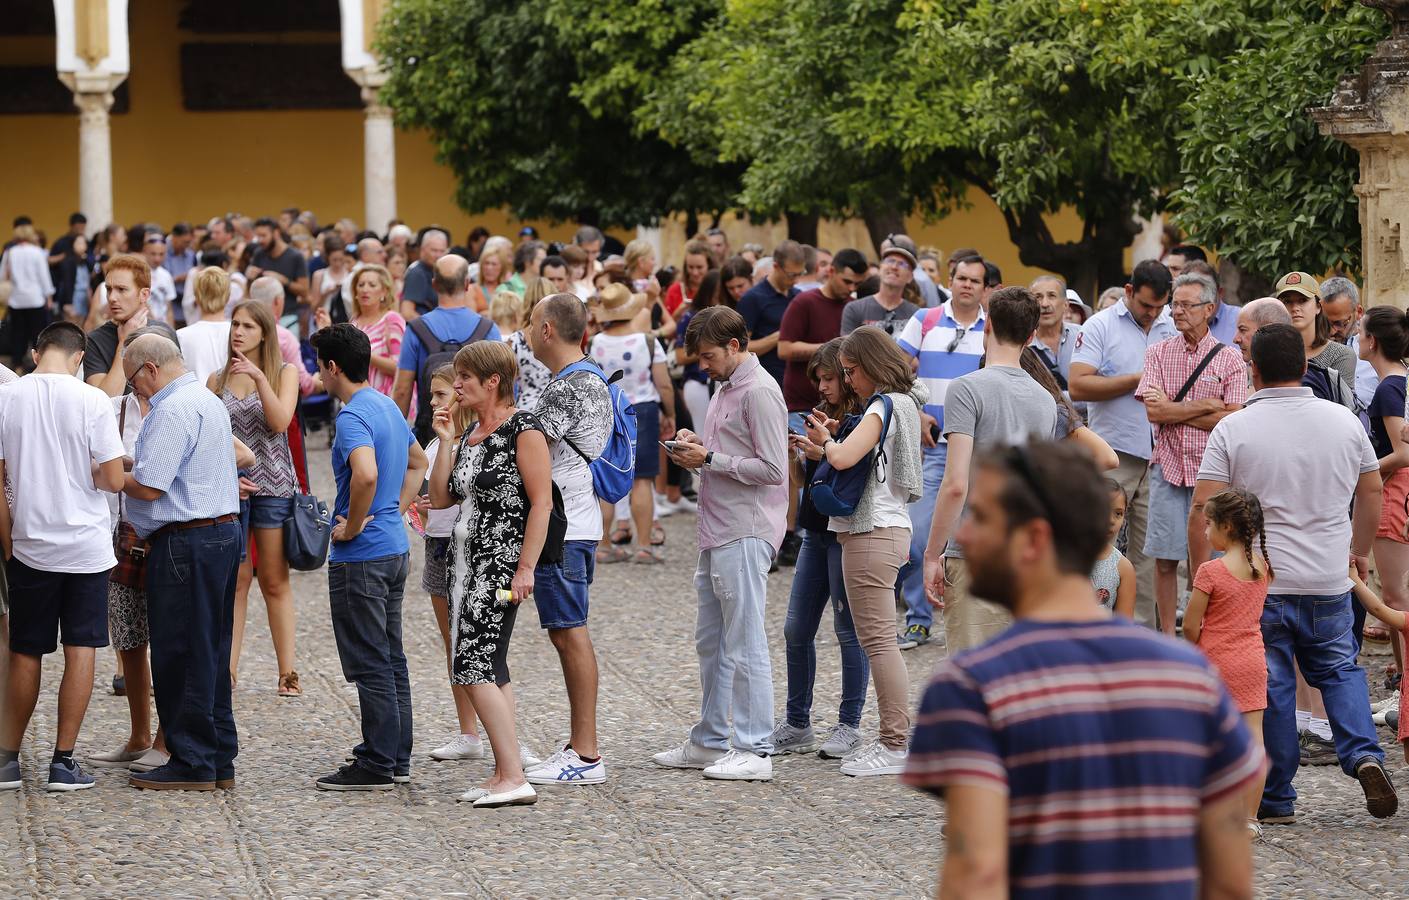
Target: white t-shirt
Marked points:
440	523
205	346
890	497
52	429
131	427
163	293
633	355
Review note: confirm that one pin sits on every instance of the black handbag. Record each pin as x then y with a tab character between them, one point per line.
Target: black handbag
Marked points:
308	532
553	541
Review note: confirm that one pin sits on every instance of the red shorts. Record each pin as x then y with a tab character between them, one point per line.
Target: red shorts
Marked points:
1394	516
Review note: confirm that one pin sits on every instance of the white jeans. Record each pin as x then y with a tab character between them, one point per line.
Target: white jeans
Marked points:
736	675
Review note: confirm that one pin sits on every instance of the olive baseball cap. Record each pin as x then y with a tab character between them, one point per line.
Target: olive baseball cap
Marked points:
1298	283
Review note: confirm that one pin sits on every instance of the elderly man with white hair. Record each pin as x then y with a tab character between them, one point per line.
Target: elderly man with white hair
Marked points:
1262	311
270	292
183	497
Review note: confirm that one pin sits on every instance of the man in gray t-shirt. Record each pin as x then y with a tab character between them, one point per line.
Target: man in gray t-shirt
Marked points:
871	311
998	404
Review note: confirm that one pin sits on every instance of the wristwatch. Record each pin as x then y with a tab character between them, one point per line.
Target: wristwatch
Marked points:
709	457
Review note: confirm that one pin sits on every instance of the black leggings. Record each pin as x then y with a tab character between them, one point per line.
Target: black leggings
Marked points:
25	325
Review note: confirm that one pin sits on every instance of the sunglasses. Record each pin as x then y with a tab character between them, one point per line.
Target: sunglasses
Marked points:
958	338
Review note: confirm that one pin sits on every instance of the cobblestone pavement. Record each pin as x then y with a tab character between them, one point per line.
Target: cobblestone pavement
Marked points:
648	832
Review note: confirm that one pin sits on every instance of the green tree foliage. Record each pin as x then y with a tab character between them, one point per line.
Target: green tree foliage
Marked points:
497	86
1259	182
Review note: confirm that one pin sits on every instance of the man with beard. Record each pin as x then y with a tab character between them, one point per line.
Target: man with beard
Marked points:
1056	744
274	257
129	284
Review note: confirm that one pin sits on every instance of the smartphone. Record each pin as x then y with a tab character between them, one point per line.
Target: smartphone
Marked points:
669	445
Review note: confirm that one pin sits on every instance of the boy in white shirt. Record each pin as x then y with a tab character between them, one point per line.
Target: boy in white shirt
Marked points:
60	446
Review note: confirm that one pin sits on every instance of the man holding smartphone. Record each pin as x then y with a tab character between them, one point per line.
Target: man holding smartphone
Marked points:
742	458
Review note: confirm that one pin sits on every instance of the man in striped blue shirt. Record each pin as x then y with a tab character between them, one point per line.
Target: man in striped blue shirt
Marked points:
945	342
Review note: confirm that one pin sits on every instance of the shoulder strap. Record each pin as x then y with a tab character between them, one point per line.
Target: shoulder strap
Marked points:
428	339
481	330
932	317
1198	370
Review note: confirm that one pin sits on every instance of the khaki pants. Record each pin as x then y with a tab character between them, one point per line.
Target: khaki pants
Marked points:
870	563
1133	474
968	621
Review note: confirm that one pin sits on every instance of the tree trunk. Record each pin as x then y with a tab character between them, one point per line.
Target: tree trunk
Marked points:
802	227
881	222
692	224
1240	286
1089	265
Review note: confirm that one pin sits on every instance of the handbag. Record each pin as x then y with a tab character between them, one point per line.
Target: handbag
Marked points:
309	531
837	492
130	550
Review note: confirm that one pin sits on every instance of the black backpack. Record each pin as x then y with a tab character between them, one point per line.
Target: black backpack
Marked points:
438	353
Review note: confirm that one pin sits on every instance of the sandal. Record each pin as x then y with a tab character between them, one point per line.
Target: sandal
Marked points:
648	558
1377	633
611	555
288	685
657	535
621	534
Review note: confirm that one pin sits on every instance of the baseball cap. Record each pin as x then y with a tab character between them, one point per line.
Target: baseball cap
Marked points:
900	252
1298	283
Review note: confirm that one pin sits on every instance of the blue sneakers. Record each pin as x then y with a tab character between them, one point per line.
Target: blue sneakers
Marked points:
66	776
10	776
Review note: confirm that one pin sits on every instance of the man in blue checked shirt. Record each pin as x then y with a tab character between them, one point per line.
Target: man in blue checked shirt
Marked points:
945	342
184	498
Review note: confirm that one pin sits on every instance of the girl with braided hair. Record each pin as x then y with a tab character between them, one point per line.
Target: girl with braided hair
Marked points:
1225	610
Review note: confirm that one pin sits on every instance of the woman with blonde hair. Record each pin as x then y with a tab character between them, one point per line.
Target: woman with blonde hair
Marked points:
500	476
205	342
496	264
260	391
374	313
875	537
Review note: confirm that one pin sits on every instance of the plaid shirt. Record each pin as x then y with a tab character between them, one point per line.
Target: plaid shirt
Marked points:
1168	364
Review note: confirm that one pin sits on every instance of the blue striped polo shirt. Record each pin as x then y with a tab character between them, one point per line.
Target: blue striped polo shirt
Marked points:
942	359
1107	739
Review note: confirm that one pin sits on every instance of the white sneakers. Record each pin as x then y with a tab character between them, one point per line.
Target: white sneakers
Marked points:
875	759
151	759
464	746
689	755
566	767
121	758
523	795
741	765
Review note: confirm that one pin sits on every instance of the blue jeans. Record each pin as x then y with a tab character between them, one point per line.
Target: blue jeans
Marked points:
366	608
912	575
736	675
816	580
191	578
1315	631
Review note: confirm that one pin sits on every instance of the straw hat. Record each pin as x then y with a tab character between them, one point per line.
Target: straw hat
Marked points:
618	304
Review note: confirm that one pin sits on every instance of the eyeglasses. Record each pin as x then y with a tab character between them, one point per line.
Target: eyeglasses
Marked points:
897	262
793	275
1185	307
958	339
130	385
847	370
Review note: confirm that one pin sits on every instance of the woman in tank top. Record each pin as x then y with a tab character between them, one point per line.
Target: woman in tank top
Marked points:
261	392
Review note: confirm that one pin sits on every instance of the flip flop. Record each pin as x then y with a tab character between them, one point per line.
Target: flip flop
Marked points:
607	555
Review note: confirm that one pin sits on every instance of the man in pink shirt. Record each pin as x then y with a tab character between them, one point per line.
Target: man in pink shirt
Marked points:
267	290
742	458
1190	382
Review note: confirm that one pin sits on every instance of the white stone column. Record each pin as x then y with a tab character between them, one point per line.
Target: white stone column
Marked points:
378	160
95	158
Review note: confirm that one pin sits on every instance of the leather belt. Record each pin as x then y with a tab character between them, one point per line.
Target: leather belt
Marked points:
194	523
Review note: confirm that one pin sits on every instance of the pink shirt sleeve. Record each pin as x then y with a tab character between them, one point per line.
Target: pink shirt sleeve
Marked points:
289	350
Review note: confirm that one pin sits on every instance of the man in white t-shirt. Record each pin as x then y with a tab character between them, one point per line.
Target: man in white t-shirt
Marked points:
59	442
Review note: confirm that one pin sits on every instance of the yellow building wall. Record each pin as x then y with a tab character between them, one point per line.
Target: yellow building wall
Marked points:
171	165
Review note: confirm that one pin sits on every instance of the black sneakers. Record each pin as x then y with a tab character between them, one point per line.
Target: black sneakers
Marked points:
1380	799
353	777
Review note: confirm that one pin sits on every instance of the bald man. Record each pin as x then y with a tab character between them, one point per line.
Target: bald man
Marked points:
1262	311
431	340
183	496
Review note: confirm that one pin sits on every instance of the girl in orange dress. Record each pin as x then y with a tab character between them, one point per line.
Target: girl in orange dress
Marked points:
1399	622
1224	618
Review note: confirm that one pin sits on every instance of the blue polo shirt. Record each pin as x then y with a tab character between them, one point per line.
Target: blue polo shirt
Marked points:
1224	324
1112	343
371	419
762	308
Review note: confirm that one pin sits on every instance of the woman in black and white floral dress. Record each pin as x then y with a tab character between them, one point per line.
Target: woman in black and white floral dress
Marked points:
501	478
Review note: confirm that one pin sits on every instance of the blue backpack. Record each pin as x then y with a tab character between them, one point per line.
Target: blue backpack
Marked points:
614	471
836	492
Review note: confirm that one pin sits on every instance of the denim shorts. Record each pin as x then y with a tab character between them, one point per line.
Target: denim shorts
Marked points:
270	512
647	432
560	590
44	604
1167	528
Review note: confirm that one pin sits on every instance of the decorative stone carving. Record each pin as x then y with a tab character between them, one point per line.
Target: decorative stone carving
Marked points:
1370	112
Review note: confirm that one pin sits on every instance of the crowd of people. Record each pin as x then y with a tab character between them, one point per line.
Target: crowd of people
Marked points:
1065	485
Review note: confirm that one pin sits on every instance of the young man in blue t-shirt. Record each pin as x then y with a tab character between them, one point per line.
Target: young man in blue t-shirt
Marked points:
378	467
1076	753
